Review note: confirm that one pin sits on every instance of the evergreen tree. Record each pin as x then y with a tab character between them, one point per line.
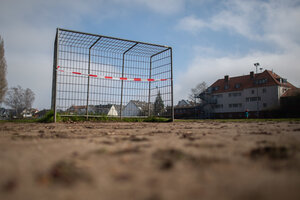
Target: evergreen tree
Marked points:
3	82
159	107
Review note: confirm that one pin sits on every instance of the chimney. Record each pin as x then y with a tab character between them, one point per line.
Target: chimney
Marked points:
252	75
226	78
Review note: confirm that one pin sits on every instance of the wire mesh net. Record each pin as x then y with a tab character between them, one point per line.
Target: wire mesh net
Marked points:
96	75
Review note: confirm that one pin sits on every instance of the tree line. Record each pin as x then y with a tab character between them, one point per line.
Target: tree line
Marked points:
16	98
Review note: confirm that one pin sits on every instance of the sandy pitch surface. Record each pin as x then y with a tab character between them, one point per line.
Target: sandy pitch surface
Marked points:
150	161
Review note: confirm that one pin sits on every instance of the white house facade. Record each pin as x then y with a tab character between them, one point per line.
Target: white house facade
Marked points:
251	92
112	111
137	108
109	110
131	109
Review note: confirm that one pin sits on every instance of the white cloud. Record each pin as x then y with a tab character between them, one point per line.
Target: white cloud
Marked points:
275	22
282	25
211	69
28	28
237	16
191	24
163	7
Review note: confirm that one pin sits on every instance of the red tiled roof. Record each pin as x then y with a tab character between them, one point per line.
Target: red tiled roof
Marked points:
247	82
291	92
77	107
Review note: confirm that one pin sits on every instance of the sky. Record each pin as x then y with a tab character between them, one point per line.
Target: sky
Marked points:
209	38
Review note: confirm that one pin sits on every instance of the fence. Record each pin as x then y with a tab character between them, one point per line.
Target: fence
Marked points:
95	75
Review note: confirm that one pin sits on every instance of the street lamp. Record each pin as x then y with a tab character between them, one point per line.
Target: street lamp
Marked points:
256	65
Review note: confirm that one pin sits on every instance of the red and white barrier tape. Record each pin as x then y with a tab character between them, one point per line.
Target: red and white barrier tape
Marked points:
110	77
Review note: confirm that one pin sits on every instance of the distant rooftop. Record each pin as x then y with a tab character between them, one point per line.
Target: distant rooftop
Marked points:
263	79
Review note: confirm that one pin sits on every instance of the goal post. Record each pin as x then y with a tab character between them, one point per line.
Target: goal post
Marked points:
96	75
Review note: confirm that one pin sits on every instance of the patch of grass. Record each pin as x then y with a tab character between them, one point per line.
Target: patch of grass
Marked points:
48	118
30	120
112	119
157	119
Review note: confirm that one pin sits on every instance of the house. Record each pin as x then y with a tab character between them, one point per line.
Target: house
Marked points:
231	96
80	110
28	113
185	110
109	110
137	108
184	103
4	114
41	113
290	103
12	113
189	110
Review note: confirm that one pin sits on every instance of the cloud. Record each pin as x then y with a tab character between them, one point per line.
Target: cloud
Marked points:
236	17
28	28
191	24
211	69
282	25
274	22
164	7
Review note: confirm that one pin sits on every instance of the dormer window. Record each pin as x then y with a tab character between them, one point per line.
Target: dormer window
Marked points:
282	80
226	87
263	81
209	90
216	88
238	85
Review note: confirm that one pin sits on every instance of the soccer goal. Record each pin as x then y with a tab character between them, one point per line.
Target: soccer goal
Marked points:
95	75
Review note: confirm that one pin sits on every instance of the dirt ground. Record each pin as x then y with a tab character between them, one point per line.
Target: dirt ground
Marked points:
150	161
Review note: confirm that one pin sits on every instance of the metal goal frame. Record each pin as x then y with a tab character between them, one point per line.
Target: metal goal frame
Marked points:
96	76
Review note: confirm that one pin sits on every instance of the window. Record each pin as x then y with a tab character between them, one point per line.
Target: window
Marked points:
282	80
218	106
226	87
235	94
261	81
252	91
250	99
238	85
264	105
216	88
235	105
218	96
264	90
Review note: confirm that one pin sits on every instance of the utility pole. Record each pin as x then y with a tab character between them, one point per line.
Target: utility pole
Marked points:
256	65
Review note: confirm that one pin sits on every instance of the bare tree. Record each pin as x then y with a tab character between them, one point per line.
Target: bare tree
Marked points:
201	87
29	98
3	82
19	99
